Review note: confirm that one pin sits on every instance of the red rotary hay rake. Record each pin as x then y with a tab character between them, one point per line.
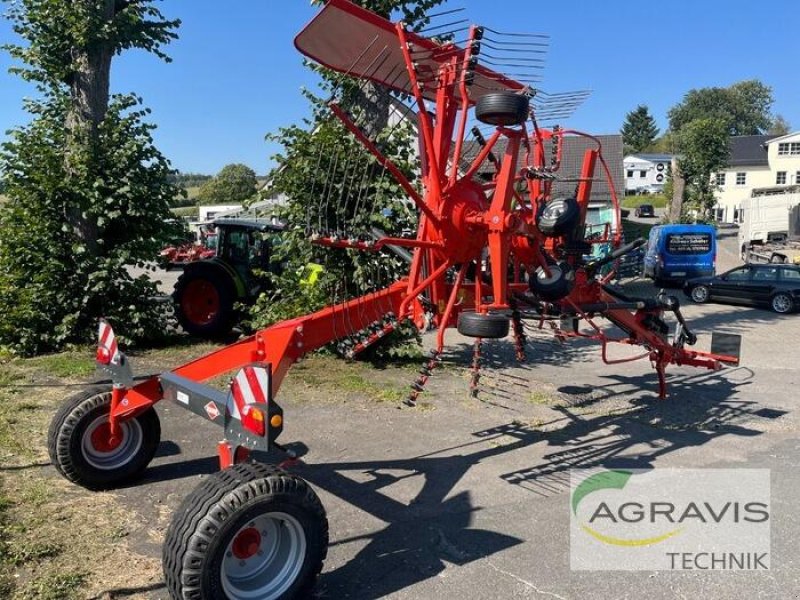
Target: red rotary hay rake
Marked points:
489	252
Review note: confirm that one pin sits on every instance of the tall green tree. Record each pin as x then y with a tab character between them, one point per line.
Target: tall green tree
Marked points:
743	108
234	184
639	130
318	168
704	150
88	193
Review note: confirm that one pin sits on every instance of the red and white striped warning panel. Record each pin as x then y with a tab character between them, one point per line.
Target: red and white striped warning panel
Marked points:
107	349
250	386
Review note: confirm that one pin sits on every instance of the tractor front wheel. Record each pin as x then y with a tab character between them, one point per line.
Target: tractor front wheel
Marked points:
83	450
250	531
204	302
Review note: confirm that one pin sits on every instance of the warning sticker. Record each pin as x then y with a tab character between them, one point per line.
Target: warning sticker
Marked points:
211	410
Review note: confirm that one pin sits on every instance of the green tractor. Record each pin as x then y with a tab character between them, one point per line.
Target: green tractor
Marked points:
206	293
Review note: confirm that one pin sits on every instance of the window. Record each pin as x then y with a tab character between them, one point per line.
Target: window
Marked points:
780	178
765	274
789	149
741	178
797	178
740	274
720	179
630	173
642	174
790	274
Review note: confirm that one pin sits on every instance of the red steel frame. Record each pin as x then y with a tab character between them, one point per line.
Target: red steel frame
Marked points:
457	222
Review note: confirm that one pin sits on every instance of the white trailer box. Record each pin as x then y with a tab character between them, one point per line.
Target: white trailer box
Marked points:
766	218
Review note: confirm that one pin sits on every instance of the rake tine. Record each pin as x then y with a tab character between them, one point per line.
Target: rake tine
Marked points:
437	27
522	35
446	12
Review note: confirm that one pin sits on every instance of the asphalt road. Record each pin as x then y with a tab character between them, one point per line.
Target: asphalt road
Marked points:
470	499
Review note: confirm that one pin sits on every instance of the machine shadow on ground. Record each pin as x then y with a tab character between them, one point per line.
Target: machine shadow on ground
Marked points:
422	536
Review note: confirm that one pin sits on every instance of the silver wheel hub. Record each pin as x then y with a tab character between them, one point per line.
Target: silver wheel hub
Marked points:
264	557
780	303
700	294
112	456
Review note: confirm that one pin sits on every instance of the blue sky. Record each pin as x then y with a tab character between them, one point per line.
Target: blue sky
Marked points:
237	76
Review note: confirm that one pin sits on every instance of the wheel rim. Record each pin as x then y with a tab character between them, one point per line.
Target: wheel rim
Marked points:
200	302
781	303
103	452
555	274
264	557
700	294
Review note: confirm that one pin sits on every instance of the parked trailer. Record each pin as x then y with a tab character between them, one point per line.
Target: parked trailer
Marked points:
764	233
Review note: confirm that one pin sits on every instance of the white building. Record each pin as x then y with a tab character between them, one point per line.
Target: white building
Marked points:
646	173
208	213
758	165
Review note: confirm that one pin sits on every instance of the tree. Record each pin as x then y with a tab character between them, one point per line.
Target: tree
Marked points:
316	183
780	126
88	194
744	108
639	130
234	184
704	150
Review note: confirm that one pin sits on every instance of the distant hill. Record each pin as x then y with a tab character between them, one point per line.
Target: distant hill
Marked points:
189	180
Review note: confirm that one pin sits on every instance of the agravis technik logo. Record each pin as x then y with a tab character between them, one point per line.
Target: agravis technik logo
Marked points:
706	519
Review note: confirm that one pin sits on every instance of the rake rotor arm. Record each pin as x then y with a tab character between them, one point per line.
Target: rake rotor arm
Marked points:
281	345
385	162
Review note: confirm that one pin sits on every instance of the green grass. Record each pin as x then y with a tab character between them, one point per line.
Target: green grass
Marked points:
657	200
186	211
71	364
56	586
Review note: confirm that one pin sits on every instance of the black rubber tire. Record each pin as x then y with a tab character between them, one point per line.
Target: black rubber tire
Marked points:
483	325
697	296
502	109
782	299
225	318
778	259
207	519
557	286
560	216
65	440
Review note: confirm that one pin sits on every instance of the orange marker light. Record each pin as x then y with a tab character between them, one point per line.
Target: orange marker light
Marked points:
276	421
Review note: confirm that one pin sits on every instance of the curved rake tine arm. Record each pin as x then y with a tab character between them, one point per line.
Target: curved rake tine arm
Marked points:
424	117
476	164
386	163
413	293
462	126
451	302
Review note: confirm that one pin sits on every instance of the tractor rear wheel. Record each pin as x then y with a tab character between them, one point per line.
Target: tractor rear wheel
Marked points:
82	449
249	531
502	108
204	300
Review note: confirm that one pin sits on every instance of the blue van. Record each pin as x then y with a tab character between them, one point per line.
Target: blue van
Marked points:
676	253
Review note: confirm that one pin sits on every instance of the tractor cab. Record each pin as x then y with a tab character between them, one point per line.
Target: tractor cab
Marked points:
246	245
207	293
